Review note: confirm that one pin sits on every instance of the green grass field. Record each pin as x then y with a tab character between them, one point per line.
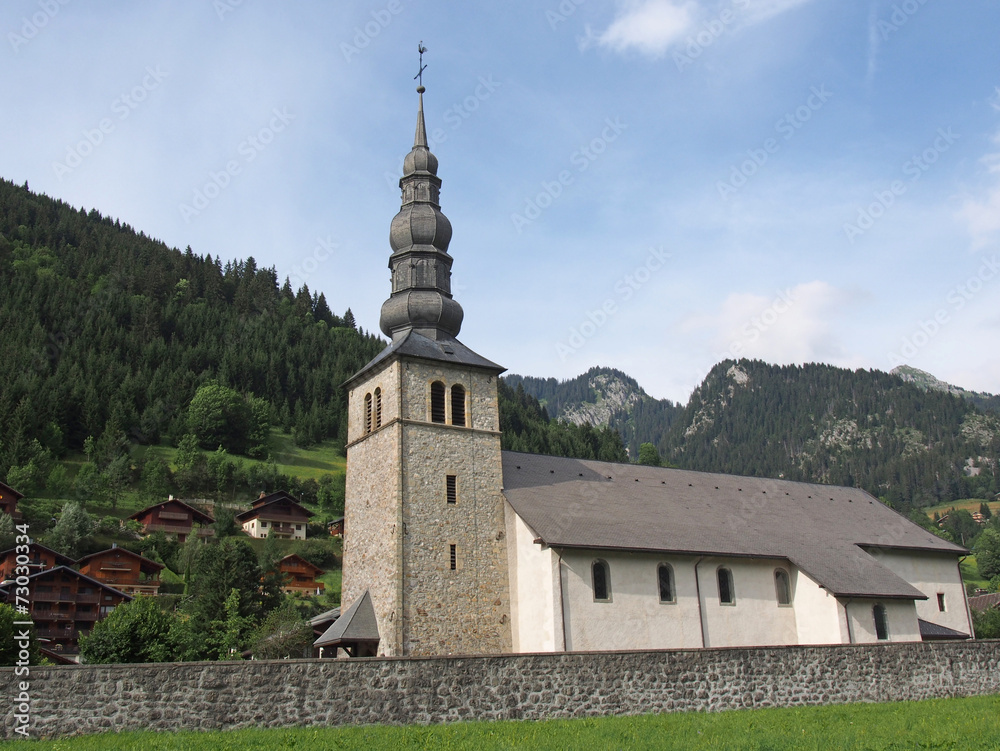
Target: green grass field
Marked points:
968	504
955	724
306	463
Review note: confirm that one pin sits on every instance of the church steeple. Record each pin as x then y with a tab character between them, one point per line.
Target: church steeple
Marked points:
419	235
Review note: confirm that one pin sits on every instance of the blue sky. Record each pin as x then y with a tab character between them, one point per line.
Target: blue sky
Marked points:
651	185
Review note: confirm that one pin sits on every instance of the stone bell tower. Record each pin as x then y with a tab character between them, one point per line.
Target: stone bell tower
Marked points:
424	520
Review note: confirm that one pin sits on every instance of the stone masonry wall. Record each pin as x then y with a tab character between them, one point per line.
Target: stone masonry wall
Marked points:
206	696
465	611
371	506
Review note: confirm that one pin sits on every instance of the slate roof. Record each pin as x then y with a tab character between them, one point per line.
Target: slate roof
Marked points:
447	349
932	631
358	624
985	602
830	533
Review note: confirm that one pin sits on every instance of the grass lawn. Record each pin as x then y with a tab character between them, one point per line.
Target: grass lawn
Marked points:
972	723
968	504
970	572
313	462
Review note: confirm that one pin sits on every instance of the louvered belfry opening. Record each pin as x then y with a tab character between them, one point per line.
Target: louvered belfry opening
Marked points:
437	402
458	405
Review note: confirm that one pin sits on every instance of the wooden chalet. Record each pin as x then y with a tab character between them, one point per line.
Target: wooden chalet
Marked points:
276	515
39	559
336	527
174	517
8	500
65	605
124	570
299	575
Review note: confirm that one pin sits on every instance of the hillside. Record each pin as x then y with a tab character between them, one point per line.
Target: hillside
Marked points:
114	342
926	381
820	423
604	397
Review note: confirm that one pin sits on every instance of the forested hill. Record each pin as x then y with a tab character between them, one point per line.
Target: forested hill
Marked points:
821	423
604	396
108	333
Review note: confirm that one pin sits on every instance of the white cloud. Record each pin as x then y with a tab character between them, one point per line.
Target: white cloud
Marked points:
793	325
982	216
651	26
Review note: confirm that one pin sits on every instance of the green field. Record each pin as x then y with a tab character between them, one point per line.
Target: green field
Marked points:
955	724
306	463
968	504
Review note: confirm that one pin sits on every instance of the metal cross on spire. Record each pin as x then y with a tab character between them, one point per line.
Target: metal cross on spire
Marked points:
419	78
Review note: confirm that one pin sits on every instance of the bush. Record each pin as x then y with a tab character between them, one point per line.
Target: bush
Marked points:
986	623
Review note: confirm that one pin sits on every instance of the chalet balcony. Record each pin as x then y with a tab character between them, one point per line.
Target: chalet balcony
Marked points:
37	596
87	599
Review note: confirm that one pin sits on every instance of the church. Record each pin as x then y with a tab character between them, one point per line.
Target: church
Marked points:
453	546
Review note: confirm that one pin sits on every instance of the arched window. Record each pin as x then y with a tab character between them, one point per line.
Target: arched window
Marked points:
881	622
368	413
781	588
437	402
378	407
458	405
665	580
727	593
602	581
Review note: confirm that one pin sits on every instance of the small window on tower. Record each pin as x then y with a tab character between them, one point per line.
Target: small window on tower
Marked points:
378	408
451	489
453	556
458	405
940	599
437	402
368	413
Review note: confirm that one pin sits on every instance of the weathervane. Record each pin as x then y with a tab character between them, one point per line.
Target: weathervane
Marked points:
419	78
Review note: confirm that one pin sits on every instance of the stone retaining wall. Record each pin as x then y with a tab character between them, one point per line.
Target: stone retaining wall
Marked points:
202	696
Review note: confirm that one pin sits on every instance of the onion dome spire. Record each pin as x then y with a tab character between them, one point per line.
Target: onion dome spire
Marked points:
419	235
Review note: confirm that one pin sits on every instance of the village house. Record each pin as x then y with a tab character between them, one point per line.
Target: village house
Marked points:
65	605
174	518
452	546
299	576
8	500
39	559
124	570
275	515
